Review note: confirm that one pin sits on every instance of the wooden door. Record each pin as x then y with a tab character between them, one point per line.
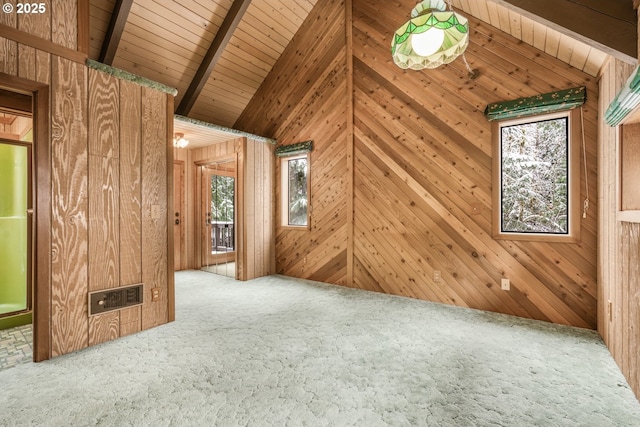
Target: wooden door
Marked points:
179	224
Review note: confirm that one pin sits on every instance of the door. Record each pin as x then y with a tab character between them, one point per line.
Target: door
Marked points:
15	232
218	213
179	224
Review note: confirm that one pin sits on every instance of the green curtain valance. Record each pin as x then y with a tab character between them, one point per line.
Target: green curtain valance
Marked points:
294	149
539	104
625	101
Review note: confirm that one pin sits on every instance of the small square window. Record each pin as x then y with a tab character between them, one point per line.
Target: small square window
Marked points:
536	179
295	191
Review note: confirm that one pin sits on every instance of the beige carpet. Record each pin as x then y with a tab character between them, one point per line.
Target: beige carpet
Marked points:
225	269
282	352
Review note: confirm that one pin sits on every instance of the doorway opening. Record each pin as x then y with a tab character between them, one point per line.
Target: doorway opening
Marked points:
16	227
26	98
218	216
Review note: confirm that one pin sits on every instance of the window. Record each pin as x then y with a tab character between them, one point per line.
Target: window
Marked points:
537	178
295	190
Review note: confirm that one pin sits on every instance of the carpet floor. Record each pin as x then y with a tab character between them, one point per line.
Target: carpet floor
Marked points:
277	351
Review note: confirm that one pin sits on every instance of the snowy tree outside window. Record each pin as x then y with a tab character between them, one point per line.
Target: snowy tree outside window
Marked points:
222	197
534	177
295	172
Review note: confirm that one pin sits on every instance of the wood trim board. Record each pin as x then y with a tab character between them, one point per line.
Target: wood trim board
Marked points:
42	44
171	291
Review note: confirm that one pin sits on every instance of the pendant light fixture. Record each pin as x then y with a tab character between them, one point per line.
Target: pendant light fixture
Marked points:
434	36
179	141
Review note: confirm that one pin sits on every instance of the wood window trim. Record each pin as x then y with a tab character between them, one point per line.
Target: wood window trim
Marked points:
628	173
283	220
573	235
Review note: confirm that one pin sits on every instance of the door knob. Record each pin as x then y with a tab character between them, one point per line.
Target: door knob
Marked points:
177	221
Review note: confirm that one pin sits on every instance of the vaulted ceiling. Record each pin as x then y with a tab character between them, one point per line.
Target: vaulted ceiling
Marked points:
166	41
218	52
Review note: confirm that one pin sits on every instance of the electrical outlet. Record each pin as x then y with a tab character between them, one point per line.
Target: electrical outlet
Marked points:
437	276
505	284
155	294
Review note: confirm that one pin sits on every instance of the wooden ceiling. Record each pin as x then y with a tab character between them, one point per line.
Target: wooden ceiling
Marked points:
553	39
168	41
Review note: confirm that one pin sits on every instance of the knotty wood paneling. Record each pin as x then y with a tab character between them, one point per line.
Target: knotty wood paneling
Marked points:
304	99
154	206
618	245
423	177
258	209
547	38
422	167
178	34
255	241
628	314
69	228
631	285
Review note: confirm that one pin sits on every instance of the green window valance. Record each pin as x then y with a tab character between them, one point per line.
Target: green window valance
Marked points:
294	149
539	104
625	101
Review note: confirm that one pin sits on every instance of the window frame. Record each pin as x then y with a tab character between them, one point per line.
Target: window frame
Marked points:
573	176
284	191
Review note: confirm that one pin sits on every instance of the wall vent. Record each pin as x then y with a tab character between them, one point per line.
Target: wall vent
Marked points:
115	299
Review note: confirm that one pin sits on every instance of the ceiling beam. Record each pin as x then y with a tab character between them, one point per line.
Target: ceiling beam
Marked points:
610	26
114	32
229	25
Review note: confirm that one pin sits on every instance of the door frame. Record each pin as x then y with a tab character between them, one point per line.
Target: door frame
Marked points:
205	191
182	217
238	210
41	201
29	213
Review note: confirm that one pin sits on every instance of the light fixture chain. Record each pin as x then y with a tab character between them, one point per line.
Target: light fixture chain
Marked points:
585	206
464	58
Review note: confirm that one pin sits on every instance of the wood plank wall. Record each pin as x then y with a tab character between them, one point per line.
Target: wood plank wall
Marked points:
422	167
109	142
259	208
618	246
304	99
255	242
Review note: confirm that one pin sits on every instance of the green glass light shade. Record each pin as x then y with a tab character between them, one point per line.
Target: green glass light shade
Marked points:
445	33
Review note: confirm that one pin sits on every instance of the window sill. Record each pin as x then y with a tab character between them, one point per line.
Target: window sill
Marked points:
295	227
534	237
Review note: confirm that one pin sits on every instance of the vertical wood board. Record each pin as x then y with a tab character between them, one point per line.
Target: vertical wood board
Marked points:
154	206
69	232
130	215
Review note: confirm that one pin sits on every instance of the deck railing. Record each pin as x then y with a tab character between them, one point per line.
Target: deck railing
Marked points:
222	236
